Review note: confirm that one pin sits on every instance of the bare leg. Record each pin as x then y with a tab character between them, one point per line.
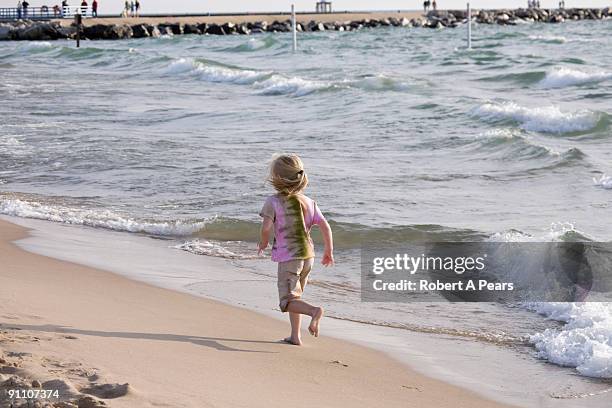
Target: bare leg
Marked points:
316	313
296	323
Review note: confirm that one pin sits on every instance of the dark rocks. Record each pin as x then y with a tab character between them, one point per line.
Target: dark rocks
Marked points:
140	31
97	31
37	31
215	29
6	32
229	28
108	32
163	30
173	28
191	29
202	27
245	30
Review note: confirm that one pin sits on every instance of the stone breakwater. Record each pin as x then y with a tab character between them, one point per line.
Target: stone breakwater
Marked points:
25	30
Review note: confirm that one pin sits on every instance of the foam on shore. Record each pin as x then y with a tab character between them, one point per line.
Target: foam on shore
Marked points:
95	218
584	342
252	287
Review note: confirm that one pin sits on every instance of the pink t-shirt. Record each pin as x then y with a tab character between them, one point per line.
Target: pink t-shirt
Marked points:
293	218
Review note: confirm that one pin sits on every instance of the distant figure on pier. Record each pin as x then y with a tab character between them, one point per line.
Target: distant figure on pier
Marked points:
19	10
537	4
126	9
562	4
84	7
434	5
25	5
94	8
132	8
57	11
426	4
64	5
137	4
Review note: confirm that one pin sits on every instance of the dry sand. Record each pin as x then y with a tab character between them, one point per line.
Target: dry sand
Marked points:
94	334
245	18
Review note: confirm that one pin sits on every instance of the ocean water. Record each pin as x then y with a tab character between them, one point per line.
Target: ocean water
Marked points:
405	135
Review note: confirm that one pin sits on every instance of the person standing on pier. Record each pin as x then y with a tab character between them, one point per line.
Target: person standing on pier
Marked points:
434	5
25	6
137	5
19	10
84	7
94	8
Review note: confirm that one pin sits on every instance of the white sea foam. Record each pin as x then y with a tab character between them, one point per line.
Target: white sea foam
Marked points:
95	218
215	73
255	44
280	85
564	77
11	146
548	119
217	249
604	181
556	232
380	83
549	38
37	45
270	83
585	342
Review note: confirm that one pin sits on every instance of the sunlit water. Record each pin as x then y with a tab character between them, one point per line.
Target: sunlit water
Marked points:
404	132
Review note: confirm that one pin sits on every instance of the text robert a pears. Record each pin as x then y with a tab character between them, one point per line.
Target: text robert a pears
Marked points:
458	274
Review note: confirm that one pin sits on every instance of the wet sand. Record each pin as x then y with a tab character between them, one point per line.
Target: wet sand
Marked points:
94	334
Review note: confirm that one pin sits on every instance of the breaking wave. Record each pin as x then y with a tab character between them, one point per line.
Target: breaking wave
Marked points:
604	181
549	119
272	83
564	77
27	208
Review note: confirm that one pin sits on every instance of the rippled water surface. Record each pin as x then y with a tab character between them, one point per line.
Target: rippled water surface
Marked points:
398	127
405	134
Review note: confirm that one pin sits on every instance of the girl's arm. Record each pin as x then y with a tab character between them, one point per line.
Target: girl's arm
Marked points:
328	239
266	230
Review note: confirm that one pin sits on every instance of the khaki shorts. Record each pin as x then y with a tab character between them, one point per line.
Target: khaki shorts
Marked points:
292	278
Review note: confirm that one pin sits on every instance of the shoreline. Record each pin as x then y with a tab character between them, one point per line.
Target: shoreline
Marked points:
143	259
114	28
63	320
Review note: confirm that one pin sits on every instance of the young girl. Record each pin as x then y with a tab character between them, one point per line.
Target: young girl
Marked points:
291	214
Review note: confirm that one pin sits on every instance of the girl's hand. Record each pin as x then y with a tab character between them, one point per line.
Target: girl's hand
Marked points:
261	246
328	259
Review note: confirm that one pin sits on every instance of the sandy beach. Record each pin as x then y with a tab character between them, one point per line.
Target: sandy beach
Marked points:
245	18
92	333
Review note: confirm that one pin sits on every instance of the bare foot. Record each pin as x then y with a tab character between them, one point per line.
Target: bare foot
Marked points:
291	340
313	328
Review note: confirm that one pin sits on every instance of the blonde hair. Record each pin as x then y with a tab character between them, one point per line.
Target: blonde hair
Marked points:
287	174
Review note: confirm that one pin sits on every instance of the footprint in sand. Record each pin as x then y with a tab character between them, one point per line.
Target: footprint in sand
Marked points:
107	391
339	363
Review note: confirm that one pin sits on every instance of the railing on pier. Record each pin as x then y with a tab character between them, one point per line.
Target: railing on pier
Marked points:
42	13
70	11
